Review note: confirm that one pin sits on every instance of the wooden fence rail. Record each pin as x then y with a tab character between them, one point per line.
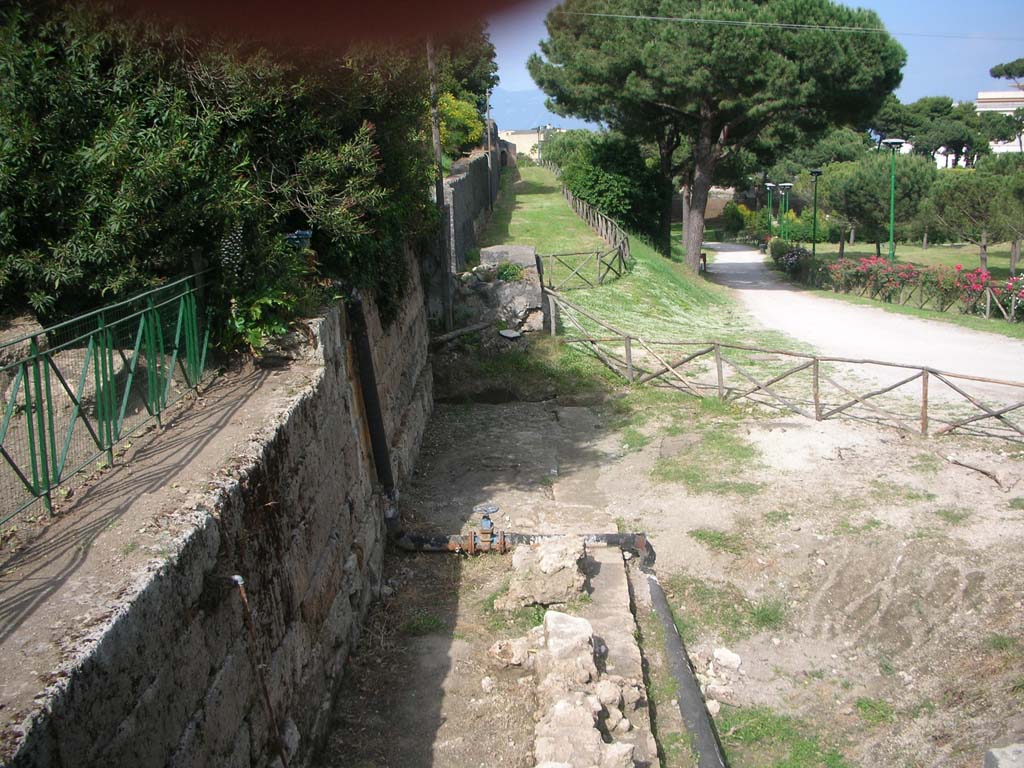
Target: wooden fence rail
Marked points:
639	363
588	269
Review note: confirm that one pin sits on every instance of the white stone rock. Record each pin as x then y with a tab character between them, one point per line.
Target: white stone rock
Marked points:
713	707
617	756
487	684
1005	757
727	659
510	653
608	693
567	636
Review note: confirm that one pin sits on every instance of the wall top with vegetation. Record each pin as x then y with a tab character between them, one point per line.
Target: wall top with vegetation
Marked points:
132	154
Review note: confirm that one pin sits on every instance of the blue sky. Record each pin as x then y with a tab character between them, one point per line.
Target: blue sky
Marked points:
935	66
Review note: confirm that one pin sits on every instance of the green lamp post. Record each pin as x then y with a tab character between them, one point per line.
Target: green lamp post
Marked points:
815	175
784	224
769	186
893	145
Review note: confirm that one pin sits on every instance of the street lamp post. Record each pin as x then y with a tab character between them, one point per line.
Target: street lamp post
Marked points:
815	174
784	223
893	146
769	186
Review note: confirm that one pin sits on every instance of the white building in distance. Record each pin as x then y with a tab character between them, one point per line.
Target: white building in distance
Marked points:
1005	102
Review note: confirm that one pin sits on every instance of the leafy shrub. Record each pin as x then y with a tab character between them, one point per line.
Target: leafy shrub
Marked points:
611	173
509	272
461	126
733	219
779	248
795	261
155	150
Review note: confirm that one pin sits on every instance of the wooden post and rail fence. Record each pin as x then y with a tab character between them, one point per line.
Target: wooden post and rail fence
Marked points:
638	361
588	269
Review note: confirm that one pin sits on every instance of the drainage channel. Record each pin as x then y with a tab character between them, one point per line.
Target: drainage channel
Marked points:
642	580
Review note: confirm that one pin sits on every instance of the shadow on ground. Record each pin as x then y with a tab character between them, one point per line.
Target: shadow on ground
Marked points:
413	694
30	576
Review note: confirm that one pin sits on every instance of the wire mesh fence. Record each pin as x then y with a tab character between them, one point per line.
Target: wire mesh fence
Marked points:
71	393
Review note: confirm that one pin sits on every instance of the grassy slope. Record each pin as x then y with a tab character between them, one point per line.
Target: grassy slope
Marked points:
531	211
658	299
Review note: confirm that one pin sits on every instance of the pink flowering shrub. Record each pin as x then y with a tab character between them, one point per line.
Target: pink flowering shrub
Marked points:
940	287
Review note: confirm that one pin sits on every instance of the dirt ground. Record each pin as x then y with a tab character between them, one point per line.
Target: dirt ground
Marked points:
873	589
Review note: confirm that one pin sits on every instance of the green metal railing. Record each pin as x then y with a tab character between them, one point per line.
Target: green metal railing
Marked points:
71	393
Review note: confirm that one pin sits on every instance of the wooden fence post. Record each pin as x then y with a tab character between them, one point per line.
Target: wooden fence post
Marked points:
629	357
924	402
553	312
718	367
817	392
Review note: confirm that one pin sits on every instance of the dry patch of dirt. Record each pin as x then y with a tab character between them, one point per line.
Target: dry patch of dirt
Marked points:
419	690
871	587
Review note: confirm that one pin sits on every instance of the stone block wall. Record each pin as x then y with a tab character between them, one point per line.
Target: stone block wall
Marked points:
170	680
469	191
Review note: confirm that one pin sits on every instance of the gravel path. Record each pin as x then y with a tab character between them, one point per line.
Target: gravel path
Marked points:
848	330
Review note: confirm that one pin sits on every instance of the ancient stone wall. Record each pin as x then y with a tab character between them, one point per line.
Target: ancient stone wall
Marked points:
170	680
469	191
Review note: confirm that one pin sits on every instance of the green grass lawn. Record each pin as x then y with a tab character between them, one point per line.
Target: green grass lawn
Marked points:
531	211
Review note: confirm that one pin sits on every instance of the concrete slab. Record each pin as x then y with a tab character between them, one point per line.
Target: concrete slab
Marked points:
523	255
1005	757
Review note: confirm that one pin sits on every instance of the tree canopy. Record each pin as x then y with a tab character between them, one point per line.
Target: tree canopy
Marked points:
1011	70
705	94
125	153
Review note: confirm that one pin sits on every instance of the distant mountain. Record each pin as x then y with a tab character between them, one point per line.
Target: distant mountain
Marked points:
520	110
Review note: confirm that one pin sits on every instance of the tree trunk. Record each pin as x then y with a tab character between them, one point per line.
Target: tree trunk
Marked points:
706	154
842	243
665	218
984	250
685	207
1014	255
694	213
924	241
853	235
878	248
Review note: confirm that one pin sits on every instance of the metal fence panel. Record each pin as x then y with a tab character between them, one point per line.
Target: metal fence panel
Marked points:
77	390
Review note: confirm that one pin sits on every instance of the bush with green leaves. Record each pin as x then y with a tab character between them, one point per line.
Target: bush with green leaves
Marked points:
128	156
733	219
509	272
609	172
461	126
779	248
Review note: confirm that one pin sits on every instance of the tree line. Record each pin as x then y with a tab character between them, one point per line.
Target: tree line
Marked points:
716	92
